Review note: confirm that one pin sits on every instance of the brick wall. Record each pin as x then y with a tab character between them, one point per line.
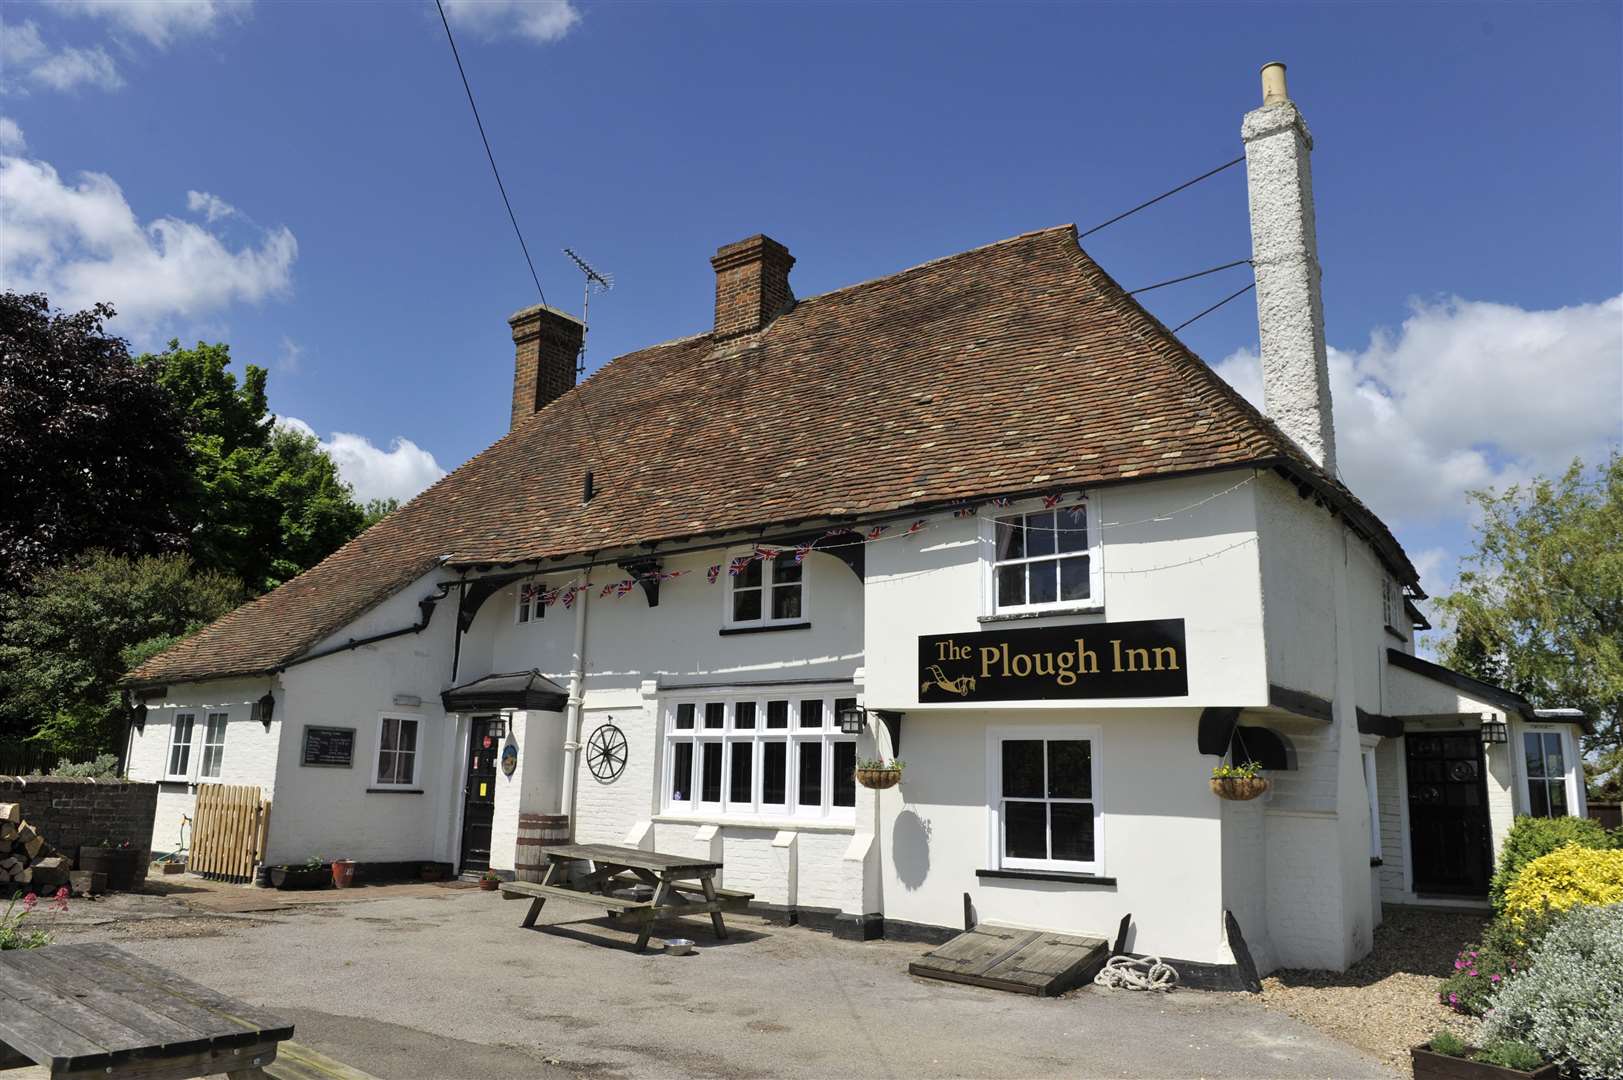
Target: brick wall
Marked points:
546	348
752	285
73	811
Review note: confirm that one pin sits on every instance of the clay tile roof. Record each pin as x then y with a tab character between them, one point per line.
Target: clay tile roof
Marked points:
1016	367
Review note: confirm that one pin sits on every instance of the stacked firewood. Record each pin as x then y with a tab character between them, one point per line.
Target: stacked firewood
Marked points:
25	857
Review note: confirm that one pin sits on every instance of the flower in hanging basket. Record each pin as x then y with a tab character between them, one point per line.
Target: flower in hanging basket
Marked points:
880	774
1238	782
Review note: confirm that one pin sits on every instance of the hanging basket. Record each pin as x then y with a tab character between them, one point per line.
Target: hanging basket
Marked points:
879	779
1239	788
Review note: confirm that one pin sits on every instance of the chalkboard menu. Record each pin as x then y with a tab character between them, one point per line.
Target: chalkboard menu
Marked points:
334	746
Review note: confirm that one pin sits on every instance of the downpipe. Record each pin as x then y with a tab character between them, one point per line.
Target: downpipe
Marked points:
572	721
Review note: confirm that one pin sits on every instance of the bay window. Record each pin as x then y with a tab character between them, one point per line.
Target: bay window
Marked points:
772	754
1043	787
1546	774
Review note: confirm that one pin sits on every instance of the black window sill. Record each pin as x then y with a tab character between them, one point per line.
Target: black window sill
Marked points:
728	631
1375	860
1046	875
1399	634
1051	613
394	791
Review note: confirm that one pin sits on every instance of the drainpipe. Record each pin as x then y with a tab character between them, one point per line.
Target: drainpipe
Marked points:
577	679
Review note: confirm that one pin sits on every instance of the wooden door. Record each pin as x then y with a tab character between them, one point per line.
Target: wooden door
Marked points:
479	791
1449	837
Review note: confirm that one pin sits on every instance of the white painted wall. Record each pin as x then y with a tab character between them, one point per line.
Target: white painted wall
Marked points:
536	784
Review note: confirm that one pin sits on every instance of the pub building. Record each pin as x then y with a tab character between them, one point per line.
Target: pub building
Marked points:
986	515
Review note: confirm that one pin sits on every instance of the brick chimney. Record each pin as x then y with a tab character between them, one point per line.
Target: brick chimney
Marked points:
546	346
1285	256
752	285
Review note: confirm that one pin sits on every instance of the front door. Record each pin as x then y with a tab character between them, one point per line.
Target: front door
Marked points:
479	791
1449	837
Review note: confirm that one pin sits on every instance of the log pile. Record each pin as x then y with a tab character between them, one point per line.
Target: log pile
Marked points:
25	857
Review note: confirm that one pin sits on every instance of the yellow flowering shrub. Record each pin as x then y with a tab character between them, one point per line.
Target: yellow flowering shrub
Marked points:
1571	876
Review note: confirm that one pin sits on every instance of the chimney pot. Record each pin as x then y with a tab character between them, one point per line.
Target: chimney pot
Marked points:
1273	83
752	285
546	349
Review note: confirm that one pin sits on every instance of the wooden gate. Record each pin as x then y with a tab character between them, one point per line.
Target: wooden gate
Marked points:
228	832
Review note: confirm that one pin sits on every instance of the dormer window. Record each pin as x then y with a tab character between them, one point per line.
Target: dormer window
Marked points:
1043	560
766	592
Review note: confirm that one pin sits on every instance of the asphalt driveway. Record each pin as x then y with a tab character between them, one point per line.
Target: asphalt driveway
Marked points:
444	983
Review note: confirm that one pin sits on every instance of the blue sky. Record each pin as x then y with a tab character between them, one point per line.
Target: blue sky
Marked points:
342	226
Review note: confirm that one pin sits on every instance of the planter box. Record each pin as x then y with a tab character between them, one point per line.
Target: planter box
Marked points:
300	877
126	868
1430	1065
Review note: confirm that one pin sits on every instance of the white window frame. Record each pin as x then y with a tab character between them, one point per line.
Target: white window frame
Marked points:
995	737
185	773
1373	789
211	743
732	739
1569	778
416	755
987	527
768	569
528	610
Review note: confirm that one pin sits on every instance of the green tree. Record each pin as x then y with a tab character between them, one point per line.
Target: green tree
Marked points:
378	509
1539	604
267	502
73	630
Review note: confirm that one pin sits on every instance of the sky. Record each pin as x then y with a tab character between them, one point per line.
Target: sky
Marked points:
305	182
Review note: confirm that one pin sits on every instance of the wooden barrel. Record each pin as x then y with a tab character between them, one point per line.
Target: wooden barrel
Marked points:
535	833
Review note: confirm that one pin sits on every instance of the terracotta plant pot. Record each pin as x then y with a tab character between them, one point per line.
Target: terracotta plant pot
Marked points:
488	884
879	779
343	873
1430	1065
1239	788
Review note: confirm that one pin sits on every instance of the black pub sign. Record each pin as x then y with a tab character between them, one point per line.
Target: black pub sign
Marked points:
1099	660
333	746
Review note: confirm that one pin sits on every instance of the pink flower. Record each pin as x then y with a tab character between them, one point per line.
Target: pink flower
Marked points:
60	900
30	901
1472	973
1494	978
1453	999
1459	965
1473	953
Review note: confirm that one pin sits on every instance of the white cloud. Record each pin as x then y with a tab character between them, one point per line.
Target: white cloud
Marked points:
29	61
160	21
11	137
1468	395
399	472
80	243
212	207
291	362
540	21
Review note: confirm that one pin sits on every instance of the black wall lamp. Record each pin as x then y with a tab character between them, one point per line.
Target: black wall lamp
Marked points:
1495	733
853	719
264	708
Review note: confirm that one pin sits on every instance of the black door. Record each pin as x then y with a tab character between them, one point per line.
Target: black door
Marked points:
479	791
1449	837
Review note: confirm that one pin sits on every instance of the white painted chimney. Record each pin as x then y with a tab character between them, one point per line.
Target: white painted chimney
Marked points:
1285	256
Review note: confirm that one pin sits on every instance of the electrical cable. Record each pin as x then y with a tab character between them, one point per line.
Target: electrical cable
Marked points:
1189	277
1163	195
1214	307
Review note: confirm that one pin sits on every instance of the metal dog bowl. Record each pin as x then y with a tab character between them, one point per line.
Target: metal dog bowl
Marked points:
678	946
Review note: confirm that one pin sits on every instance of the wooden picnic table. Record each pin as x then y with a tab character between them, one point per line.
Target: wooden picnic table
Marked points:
681	885
92	1009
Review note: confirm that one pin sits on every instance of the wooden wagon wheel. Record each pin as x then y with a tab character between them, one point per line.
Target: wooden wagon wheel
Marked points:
606	753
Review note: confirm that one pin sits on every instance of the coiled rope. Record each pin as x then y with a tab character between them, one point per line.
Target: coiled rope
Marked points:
1130	973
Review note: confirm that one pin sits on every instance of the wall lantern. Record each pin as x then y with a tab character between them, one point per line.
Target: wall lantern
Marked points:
1495	733
853	720
408	701
263	708
138	717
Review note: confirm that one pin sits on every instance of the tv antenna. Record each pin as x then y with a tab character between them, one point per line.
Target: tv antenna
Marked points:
595	282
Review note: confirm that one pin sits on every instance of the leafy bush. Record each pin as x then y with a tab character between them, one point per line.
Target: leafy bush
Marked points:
12	934
104	766
1511	1054
1569	1002
1532	837
1479	970
1446	1042
1571	877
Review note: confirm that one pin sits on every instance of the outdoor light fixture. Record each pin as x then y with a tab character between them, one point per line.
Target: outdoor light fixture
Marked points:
264	707
1495	733
852	719
138	716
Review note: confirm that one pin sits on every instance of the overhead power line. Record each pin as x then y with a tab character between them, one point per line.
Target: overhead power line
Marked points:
1158	198
485	139
1190	277
1214	307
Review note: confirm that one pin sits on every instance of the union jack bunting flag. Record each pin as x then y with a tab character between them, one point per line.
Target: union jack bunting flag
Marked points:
739	565
873	533
625	586
527	593
1050	501
966	510
606	590
915	527
767	553
549	597
1002	500
801	551
713	573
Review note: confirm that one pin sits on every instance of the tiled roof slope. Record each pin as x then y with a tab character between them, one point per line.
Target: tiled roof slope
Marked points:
1020	366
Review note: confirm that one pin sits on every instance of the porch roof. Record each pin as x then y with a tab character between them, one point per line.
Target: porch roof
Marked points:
517	690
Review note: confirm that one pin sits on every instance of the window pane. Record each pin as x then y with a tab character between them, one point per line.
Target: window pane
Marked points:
777	714
1022	768
386	760
710	789
1535	755
390	734
1040	534
774	772
1011	585
681	772
1070	769
744	714
811	774
408	735
1011	538
784	568
1073	528
1040	576
1025	830
524	612
1073	578
1072	826
746	605
811	714
684	715
405	767
715	714
739	774
1558	798
1554	761
749	577
845	780
786	602
1538	800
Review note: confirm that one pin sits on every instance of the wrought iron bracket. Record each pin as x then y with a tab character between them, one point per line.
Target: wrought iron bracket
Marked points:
646	570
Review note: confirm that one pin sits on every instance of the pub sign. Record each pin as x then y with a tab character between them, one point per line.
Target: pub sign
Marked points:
1099	660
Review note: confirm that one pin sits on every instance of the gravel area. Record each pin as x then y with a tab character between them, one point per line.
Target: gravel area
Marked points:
1387	1002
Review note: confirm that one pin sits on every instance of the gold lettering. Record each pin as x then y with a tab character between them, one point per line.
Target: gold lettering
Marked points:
1115	654
943	649
1138	659
1087	661
1171	657
1045	668
989	656
1005	648
1067	663
1021	660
